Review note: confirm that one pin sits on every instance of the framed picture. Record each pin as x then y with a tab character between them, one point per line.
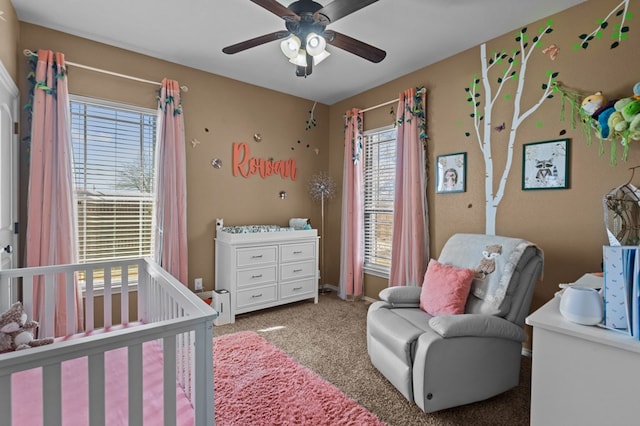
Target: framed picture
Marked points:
452	173
545	165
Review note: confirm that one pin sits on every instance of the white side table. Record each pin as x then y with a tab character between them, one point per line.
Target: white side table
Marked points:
582	375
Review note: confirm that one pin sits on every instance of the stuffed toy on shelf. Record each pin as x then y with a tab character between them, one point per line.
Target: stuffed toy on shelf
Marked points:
614	120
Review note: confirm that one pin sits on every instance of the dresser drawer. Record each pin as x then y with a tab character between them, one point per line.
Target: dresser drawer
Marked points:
256	276
256	256
256	296
297	288
292	271
294	252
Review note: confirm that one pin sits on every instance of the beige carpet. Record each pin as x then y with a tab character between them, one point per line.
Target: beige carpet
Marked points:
330	339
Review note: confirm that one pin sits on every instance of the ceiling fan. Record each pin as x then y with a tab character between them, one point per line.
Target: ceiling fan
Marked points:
306	36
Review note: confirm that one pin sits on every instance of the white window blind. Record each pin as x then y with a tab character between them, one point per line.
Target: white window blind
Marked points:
113	154
379	182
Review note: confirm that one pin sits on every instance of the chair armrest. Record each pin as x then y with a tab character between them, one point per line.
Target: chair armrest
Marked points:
401	297
476	325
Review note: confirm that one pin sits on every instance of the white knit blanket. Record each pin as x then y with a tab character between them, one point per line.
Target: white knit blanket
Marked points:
494	258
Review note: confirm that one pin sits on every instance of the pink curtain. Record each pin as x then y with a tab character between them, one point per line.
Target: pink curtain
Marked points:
171	184
410	248
51	217
352	223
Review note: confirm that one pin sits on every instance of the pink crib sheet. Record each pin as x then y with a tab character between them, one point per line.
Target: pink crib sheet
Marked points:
27	391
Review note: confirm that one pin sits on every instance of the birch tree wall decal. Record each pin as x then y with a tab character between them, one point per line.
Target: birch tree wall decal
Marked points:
620	30
497	70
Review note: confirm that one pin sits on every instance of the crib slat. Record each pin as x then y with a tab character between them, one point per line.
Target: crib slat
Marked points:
203	349
5	401
106	300
49	289
124	296
181	360
89	301
52	394
27	295
5	293
143	292
191	367
70	296
169	384
96	390
135	384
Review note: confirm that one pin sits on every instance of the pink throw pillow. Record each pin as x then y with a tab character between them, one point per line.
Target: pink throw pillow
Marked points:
445	289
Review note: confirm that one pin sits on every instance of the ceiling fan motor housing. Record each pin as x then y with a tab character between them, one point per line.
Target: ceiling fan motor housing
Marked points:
308	23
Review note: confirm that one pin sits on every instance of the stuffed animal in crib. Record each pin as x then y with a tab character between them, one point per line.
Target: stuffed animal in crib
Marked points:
16	332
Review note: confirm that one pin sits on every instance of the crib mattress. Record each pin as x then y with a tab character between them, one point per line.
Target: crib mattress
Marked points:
27	392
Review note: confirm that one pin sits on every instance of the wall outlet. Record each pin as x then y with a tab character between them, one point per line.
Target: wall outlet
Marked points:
197	284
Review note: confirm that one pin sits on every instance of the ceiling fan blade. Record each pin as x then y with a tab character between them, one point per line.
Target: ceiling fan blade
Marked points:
247	44
354	46
277	9
340	8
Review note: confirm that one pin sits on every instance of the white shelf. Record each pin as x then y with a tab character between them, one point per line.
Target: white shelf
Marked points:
581	375
549	318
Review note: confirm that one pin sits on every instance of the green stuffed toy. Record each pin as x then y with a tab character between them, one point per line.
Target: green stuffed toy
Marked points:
625	121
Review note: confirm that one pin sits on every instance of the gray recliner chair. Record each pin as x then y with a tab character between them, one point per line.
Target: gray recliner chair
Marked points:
446	361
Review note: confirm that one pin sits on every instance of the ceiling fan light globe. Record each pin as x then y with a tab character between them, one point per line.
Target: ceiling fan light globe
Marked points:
300	59
290	46
315	44
320	57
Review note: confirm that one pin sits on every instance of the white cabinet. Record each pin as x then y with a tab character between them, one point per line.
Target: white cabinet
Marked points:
581	375
266	269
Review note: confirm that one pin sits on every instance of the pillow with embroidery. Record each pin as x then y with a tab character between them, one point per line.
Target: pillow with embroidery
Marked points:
445	289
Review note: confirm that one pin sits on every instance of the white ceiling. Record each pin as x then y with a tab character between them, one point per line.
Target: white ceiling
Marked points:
414	33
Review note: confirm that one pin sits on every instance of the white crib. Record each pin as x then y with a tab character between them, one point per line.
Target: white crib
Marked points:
166	312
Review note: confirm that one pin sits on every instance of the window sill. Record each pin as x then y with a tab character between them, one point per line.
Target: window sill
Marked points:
378	272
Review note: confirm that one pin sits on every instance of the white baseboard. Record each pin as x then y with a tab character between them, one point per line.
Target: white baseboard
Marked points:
329	287
337	290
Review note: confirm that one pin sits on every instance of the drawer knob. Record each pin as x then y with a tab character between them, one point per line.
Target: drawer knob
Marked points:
255	296
297	288
297	270
297	252
256	276
256	256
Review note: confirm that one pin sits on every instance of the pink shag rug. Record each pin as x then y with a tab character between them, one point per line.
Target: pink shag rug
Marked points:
256	383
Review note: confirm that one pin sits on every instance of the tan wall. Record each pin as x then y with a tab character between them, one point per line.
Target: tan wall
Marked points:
232	112
567	224
9	32
116	312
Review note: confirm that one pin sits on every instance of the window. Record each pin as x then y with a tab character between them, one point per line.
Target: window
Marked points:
113	155
379	188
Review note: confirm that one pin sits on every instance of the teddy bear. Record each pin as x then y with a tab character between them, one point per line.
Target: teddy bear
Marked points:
16	333
600	110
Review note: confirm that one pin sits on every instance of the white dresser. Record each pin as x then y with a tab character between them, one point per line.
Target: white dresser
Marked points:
266	269
582	375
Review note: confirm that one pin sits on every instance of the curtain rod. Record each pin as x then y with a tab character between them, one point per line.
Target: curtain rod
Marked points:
28	52
423	90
